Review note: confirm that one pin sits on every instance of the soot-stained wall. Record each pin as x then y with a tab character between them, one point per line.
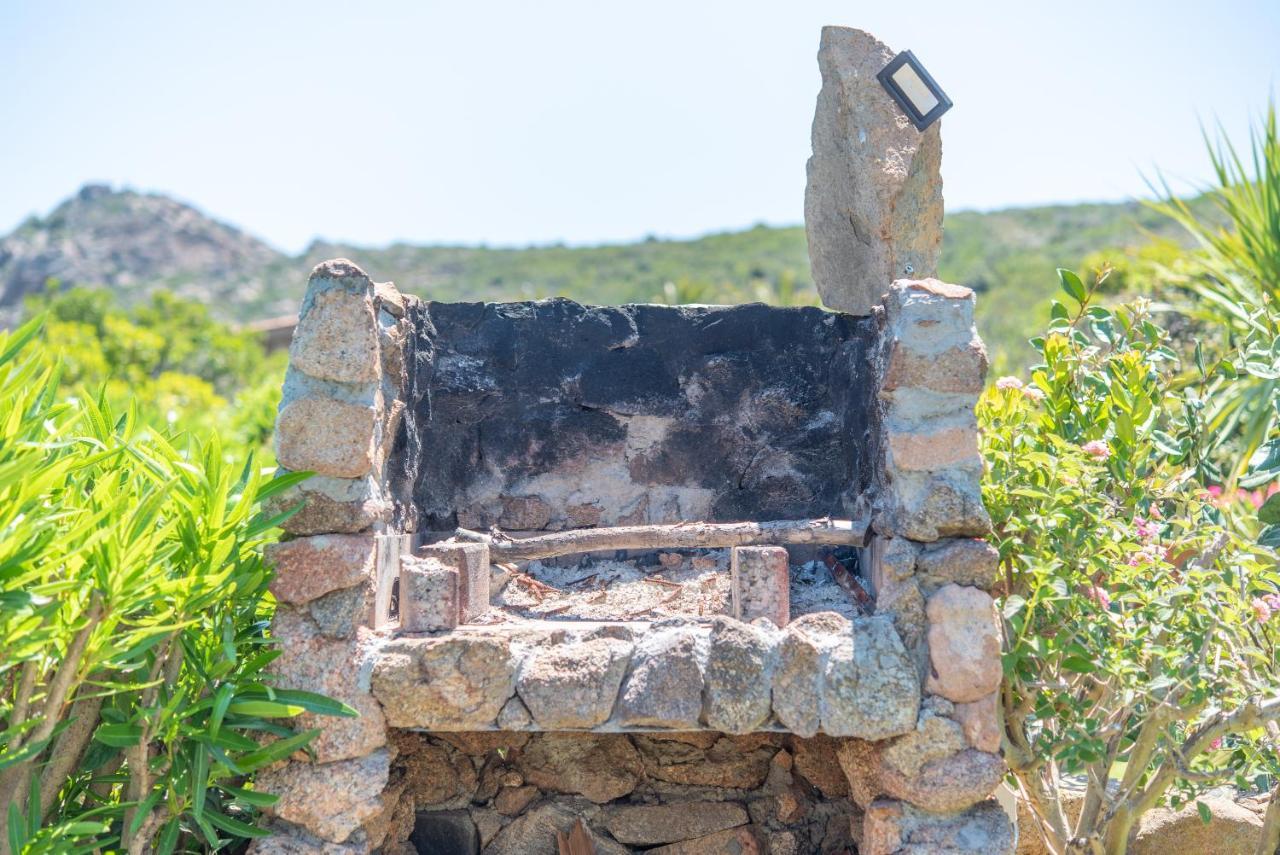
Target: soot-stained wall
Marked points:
554	415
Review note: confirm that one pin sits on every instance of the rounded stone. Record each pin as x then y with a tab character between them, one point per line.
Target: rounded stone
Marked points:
664	688
964	647
573	686
337	338
331	800
740	664
448	683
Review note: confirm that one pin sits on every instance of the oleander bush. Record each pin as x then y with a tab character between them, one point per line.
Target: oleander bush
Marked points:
1140	618
134	704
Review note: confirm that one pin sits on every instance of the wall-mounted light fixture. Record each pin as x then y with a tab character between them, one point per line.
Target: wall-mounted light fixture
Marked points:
916	92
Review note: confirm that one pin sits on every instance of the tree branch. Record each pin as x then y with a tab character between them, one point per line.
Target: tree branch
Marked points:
686	535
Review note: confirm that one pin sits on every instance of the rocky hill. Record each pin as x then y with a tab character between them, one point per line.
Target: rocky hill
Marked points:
135	243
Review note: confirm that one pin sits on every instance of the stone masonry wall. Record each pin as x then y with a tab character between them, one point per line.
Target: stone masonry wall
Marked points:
918	742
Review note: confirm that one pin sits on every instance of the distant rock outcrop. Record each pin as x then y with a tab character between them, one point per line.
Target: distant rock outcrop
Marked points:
133	243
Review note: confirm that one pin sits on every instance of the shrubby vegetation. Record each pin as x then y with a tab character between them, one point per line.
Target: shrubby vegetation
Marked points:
134	706
169	359
1133	485
1139	650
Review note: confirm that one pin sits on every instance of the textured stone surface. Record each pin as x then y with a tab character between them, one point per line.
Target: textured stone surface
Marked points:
935	738
871	688
949	784
511	801
312	662
816	762
326	436
340	614
310	567
638	413
959	369
293	842
873	203
745	840
449	683
740	763
664	688
331	800
962	561
931	451
981	722
964	648
893	828
471	560
797	682
761	583
649	825
573	686
337	337
323	505
925	506
600	767
515	716
430	595
924	770
935	366
739	676
1232	829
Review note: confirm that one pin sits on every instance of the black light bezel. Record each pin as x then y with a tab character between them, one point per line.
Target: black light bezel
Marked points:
922	122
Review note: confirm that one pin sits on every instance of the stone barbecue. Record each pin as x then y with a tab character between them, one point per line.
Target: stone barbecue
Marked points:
672	579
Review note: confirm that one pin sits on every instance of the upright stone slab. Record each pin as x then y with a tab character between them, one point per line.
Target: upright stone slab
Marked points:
873	204
761	584
430	595
471	561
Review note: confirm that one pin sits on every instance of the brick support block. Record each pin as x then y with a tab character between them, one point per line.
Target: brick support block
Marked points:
429	595
761	584
471	560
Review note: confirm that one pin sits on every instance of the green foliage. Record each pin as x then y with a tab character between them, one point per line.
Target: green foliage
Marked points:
169	358
134	706
1135	650
1234	286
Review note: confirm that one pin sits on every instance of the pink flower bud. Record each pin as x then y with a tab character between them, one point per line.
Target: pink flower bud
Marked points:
1097	449
1008	383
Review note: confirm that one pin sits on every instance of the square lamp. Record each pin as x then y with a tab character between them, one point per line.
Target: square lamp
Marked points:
916	92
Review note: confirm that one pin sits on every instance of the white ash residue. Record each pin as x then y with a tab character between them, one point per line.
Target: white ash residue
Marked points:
692	584
686	585
814	590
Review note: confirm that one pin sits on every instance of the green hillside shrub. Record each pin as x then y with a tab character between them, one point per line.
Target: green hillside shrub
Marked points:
168	358
1141	629
134	706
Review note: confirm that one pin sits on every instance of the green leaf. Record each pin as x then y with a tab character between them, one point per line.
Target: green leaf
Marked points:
1270	537
1072	285
1269	513
1206	815
1079	664
234	826
314	703
265	709
277	750
118	735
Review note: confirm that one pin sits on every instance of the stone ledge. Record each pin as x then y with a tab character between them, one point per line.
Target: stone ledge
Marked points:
823	673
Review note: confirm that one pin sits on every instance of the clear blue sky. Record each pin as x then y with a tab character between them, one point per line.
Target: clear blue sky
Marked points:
520	122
